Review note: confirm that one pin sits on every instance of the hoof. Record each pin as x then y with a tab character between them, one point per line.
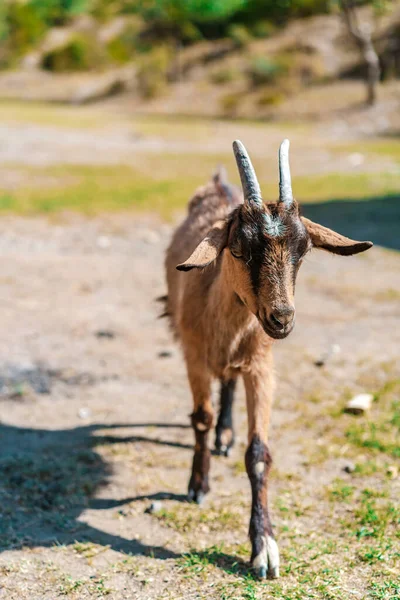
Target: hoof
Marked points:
222	451
267	562
224	442
196	497
261	573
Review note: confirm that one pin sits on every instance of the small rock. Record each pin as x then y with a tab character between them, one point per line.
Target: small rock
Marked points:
334	349
103	242
84	412
349	468
356	159
149	236
154	507
105	333
392	471
359	404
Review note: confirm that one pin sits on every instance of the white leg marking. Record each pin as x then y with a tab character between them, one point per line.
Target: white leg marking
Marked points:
260	467
201	427
261	560
273	557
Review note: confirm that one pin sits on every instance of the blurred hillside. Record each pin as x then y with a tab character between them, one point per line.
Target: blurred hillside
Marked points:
233	58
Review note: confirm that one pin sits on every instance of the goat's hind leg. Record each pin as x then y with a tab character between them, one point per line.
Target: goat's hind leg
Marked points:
202	421
224	433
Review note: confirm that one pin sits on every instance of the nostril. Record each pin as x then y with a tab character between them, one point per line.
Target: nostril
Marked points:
275	321
282	318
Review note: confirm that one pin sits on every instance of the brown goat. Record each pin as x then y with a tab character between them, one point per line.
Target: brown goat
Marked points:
232	295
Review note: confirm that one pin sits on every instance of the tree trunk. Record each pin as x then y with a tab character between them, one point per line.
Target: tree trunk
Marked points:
362	35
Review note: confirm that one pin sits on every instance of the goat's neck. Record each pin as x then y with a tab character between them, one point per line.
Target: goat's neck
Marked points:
226	307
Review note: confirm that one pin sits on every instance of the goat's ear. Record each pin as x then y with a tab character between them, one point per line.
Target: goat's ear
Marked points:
334	242
208	249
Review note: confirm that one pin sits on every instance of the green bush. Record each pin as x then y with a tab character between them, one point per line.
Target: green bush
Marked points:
271	97
22	27
263	70
152	72
230	104
263	29
127	43
58	12
189	33
118	50
224	75
81	53
240	35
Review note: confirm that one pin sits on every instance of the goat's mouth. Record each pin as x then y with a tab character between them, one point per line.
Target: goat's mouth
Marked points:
274	332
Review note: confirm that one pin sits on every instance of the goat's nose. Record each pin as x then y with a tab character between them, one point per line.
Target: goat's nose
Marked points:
283	317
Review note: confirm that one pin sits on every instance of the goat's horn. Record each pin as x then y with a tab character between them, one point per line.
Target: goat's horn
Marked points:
251	189
285	181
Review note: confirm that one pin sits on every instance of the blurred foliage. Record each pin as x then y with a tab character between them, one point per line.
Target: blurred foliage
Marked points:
264	70
224	75
58	12
20	29
263	29
81	53
23	23
153	71
240	35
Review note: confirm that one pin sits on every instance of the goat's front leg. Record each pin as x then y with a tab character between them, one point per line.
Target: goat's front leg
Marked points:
202	420
259	390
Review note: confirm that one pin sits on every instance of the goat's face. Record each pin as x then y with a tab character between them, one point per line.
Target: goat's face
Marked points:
266	246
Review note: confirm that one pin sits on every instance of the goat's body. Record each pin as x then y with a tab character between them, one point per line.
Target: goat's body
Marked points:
231	272
204	314
221	338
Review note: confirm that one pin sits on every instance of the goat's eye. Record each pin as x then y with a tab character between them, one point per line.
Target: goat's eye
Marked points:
236	254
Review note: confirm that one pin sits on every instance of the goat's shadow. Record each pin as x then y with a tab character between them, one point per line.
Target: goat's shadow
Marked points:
375	218
49	477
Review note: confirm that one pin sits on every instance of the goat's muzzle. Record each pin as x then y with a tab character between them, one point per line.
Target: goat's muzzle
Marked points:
279	323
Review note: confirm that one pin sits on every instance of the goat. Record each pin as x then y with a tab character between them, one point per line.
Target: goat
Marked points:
231	270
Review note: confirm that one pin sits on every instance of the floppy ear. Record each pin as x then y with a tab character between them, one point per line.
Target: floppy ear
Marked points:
208	249
329	240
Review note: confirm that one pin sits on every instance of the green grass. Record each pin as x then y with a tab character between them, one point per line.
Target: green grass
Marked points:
387	147
99	189
164	183
381	432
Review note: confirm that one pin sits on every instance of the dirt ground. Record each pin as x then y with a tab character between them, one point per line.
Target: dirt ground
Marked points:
94	424
95	404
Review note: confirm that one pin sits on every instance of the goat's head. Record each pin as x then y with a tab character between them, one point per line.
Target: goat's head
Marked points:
264	246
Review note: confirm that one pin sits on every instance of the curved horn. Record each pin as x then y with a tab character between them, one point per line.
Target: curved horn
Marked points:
285	181
251	188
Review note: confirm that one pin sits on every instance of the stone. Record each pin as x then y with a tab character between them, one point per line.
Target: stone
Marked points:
349	468
392	471
155	507
103	242
84	412
331	351
359	404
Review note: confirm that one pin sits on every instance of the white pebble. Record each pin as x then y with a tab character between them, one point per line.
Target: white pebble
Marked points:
103	241
356	159
359	404
84	413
